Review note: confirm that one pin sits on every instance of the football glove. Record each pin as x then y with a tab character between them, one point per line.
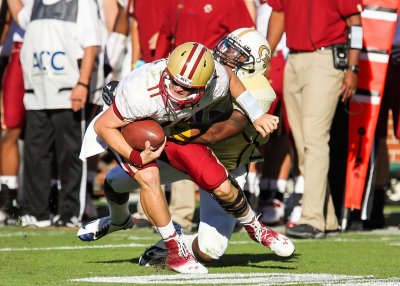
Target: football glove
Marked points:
181	132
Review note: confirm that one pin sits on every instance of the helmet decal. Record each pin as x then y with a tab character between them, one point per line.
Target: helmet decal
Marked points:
245	50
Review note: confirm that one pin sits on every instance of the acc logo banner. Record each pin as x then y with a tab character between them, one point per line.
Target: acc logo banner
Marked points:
49	61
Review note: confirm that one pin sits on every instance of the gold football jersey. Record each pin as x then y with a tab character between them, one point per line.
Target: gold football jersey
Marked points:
240	149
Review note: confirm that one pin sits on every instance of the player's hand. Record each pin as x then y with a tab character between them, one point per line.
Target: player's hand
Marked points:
266	124
78	97
149	156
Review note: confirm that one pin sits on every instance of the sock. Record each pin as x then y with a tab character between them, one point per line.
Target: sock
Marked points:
299	184
118	213
10	181
247	218
166	231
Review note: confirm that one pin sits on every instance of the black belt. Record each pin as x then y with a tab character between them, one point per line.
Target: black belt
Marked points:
319	49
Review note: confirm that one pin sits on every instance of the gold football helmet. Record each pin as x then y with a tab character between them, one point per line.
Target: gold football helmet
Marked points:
191	65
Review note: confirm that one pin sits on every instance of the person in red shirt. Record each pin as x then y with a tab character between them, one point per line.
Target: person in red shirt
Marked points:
312	90
147	17
203	21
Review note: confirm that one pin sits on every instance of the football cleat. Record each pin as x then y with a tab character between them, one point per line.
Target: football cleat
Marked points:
98	228
179	257
156	254
278	243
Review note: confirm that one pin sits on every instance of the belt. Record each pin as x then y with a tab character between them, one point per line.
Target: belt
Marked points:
319	49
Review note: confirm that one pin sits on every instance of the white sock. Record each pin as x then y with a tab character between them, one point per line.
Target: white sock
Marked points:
253	183
118	213
299	184
279	185
247	218
10	181
166	231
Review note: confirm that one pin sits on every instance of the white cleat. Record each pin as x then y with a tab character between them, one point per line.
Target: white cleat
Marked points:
180	259
278	243
98	228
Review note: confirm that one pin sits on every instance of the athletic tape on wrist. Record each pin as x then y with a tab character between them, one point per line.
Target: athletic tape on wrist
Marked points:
250	105
135	158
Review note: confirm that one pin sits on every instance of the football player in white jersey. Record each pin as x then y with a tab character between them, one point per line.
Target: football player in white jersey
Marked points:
233	141
168	91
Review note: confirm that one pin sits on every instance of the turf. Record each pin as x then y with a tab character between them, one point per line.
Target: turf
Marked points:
56	256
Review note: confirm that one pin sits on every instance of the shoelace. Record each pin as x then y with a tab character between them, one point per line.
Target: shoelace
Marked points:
182	250
261	233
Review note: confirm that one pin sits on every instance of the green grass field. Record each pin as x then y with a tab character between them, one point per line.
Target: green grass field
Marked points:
57	257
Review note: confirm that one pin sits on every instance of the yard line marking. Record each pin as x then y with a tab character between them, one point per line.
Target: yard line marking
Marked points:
75	247
246	279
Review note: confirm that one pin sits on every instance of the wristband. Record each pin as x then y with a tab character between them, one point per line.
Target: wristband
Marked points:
83	84
250	105
135	158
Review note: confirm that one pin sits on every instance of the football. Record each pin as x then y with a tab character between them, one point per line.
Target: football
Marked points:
138	132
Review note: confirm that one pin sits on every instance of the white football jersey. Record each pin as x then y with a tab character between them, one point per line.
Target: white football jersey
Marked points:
138	95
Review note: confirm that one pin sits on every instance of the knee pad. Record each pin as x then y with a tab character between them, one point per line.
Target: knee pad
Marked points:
211	242
239	204
118	198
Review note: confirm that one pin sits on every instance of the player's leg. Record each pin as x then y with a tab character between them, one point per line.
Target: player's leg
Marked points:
212	176
155	206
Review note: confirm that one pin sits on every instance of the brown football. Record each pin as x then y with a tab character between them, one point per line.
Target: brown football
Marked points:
138	132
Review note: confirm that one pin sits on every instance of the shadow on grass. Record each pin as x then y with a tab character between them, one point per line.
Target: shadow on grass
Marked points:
248	259
233	260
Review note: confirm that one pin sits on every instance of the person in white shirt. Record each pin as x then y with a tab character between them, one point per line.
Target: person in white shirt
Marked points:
58	54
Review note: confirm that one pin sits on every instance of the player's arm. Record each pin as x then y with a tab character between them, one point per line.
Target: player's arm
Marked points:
261	121
108	125
221	130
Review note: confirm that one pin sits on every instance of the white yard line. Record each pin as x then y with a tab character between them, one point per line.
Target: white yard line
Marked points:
245	279
75	247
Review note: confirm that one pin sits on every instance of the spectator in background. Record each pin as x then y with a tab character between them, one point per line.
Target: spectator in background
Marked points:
147	18
203	21
312	89
61	38
12	122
